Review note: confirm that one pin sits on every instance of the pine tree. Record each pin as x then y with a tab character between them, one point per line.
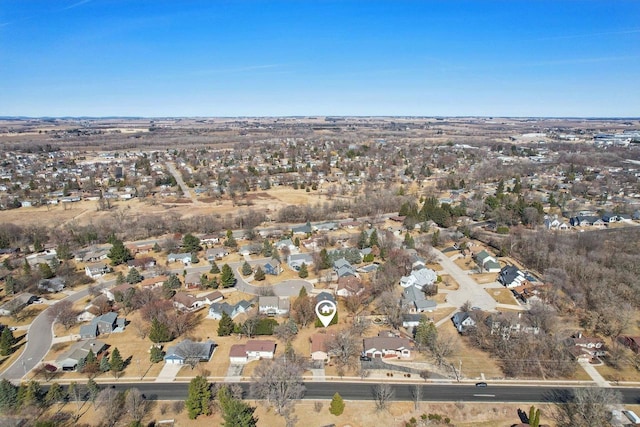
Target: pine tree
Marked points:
8	396
54	394
134	276
325	261
214	268
94	389
363	241
426	333
116	362
373	239
156	354
235	412
159	332
105	366
227	279
231	241
45	271
199	398
246	269
157	248
259	274
7	340
190	243
303	273
119	253
120	279
337	405
409	243
226	326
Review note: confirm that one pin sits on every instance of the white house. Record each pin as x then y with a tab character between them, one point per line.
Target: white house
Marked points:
252	350
419	278
273	306
96	270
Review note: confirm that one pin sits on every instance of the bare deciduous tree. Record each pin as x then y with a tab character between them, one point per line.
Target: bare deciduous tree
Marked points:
279	382
110	404
345	347
135	405
382	394
63	313
586	407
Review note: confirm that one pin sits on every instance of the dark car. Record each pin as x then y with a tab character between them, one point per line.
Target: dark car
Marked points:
481	384
365	358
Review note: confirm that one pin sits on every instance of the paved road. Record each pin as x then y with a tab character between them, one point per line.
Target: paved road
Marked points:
39	338
401	392
185	189
468	289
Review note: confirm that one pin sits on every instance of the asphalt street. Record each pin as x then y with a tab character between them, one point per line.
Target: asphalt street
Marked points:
401	392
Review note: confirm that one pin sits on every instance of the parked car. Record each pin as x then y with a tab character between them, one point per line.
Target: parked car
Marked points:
365	358
483	384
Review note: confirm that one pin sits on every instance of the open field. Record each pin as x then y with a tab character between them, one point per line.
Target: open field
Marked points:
502	296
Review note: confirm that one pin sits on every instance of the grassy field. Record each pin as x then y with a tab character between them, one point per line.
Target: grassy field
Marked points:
502	296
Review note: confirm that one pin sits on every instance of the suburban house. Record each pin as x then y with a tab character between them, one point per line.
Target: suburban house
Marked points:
139	249
252	350
216	254
184	258
387	344
215	296
411	320
209	239
142	263
153	282
55	284
105	324
554	223
511	276
117	290
17	303
69	360
273	306
295	261
272	267
349	286
414	301
419	278
187	302
325	296
96	270
93	254
216	309
487	263
189	351
325	226
302	229
319	343
462	321
192	280
343	268
286	243
585	348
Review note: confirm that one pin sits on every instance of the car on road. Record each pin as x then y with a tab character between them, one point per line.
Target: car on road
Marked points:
482	384
365	358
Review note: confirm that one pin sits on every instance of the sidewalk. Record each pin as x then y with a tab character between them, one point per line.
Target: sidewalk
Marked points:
594	374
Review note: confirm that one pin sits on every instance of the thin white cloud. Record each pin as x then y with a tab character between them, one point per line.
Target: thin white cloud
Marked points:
80	3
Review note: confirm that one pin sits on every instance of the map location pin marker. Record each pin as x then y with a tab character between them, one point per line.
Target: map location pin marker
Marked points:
326	311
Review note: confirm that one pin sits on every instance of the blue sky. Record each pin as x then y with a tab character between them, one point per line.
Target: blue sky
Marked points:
278	58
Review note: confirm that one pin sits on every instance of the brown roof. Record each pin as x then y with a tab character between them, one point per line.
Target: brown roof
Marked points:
386	343
350	283
260	345
214	296
153	281
185	299
121	288
319	342
238	350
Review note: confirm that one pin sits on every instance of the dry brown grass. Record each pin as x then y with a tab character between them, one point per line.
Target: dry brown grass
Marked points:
484	278
502	296
448	283
624	373
467	264
475	362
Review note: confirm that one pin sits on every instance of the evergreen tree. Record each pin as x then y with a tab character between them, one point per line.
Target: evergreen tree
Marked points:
199	398
230	241
119	254
214	268
426	333
303	273
337	405
296	242
534	416
120	279
159	332
363	240
105	366
116	362
8	396
325	261
134	276
373	239
409	243
45	271
54	394
93	388
214	283
194	258
227	279
32	394
259	274
235	412
190	243
226	326
267	248
7	340
26	268
157	248
156	354
246	269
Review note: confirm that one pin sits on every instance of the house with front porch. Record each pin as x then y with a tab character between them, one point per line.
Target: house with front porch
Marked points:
387	345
